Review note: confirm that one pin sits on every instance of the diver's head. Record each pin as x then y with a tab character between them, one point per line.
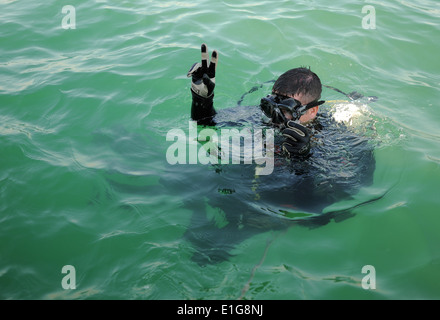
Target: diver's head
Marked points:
297	88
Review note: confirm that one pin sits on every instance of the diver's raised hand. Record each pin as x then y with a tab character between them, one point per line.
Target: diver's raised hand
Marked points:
203	75
296	139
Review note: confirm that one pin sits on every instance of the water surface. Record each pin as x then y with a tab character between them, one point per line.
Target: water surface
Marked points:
84	179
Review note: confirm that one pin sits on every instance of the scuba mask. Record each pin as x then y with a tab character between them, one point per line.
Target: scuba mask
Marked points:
274	107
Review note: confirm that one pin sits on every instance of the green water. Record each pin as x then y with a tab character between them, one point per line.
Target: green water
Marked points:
84	179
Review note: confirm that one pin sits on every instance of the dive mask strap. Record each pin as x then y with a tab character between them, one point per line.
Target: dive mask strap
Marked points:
303	108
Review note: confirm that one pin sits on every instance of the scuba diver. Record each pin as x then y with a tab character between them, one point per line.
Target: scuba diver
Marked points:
319	162
294	102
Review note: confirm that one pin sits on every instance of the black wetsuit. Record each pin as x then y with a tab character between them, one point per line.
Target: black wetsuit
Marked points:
298	191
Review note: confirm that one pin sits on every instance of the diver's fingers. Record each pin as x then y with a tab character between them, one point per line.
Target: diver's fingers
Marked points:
294	132
213	64
194	70
204	50
209	83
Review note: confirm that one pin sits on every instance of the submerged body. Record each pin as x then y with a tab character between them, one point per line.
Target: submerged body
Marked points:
340	162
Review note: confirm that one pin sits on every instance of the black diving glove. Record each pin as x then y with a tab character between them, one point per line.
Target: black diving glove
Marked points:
203	76
202	88
296	139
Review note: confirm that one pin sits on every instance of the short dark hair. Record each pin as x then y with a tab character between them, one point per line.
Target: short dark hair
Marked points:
299	81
